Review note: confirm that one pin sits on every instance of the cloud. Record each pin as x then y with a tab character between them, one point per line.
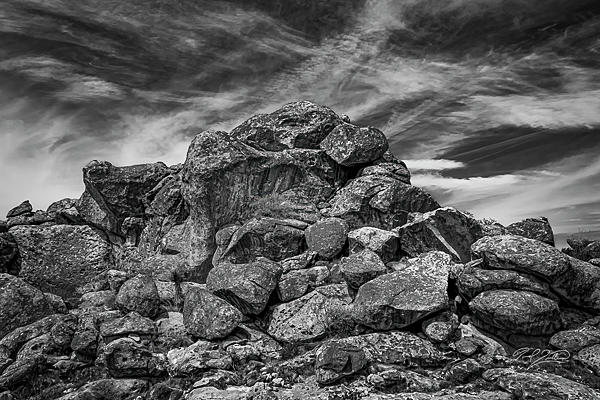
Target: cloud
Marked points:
432	165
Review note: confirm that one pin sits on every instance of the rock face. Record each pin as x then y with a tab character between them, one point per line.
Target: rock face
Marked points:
575	281
361	267
445	229
247	286
401	298
327	237
60	259
20	304
474	281
139	294
207	316
336	360
515	311
533	228
351	145
384	243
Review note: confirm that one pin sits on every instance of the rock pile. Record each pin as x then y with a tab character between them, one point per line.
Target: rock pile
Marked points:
289	258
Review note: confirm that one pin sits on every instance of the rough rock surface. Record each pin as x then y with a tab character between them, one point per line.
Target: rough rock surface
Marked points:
351	145
401	298
60	259
23	208
208	316
384	243
327	237
445	229
139	294
361	267
533	228
336	360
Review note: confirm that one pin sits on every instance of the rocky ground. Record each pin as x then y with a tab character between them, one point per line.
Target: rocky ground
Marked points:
288	259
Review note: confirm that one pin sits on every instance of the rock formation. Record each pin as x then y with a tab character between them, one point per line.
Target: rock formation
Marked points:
290	258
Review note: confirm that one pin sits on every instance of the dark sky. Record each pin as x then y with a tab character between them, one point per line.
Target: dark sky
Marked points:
495	105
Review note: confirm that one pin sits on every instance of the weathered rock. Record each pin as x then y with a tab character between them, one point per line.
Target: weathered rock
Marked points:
473	281
20	304
590	357
297	283
21	371
64	211
197	358
272	238
361	267
23	208
122	191
113	389
295	125
379	201
37	218
516	311
492	227
9	253
351	145
127	358
91	213
223	175
396	170
130	324
445	229
246	286
104	299
60	259
533	228
307	318
212	393
384	243
327	237
139	294
574	340
441	328
483	395
573	280
336	360
538	385
583	249
401	298
301	261
208	316
463	371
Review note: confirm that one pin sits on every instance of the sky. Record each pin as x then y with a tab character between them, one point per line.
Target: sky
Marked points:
494	105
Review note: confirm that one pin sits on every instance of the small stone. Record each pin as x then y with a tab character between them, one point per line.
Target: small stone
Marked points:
327	237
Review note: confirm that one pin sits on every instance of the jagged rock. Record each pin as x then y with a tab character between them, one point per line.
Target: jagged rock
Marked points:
139	294
91	213
396	170
211	393
384	243
574	340
538	385
295	125
327	237
20	304
401	298
208	316
350	145
306	318
297	283
122	191
222	175
336	360
473	281
246	286
516	311
105	299
21	371
272	238
379	201
490	227
445	229
575	281
533	228
23	208
64	211
301	261
60	259
463	371
130	324
361	267
9	253
127	358
164	391
197	358
113	389
37	218
590	357
161	267
583	249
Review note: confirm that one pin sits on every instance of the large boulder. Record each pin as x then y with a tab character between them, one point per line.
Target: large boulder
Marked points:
336	360
139	294
20	304
208	316
198	358
533	228
401	298
307	318
539	385
226	174
445	229
384	243
23	208
272	238
327	237
379	201
247	286
361	267
575	281
296	283
520	312
62	258
126	357
351	145
294	126
91	213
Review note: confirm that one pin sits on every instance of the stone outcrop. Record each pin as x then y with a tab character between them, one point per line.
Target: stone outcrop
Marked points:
533	228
